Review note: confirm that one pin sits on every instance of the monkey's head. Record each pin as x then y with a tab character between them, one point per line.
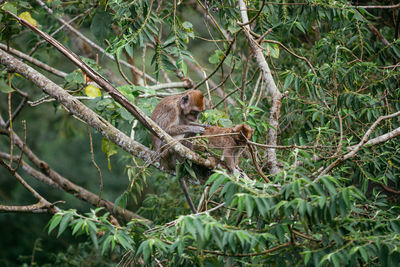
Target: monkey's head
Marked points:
191	104
242	130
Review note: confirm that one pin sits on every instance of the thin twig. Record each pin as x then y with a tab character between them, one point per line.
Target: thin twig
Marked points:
96	166
292	53
244	78
174	222
258	169
220	63
224	80
16	111
223	99
33	50
10	120
42	202
22	150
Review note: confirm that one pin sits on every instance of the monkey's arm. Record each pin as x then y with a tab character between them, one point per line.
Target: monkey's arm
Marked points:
184	129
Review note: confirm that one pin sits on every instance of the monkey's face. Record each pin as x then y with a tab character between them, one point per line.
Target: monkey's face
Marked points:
193	115
191	104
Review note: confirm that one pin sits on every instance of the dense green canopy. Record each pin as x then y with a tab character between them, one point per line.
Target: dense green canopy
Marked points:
319	181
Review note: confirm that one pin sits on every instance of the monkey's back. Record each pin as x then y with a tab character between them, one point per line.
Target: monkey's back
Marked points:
219	141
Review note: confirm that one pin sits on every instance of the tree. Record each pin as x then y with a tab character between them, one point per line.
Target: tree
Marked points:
317	80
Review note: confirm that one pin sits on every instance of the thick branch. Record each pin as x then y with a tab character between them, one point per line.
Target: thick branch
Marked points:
271	87
77	108
383	138
117	96
34	61
378	7
54	179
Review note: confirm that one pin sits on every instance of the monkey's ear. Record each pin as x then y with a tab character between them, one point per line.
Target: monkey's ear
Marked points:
185	102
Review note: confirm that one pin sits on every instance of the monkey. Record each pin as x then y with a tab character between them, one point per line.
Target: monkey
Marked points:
231	145
177	115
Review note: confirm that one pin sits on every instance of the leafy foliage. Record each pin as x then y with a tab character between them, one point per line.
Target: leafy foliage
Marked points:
340	77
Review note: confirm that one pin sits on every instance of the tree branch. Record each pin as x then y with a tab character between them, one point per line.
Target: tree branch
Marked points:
42	204
54	179
356	148
34	61
277	96
77	108
114	93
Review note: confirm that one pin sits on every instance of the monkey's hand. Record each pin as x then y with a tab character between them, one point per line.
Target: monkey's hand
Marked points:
198	129
200	124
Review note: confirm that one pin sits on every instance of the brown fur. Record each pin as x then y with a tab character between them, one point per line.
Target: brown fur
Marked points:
231	145
174	115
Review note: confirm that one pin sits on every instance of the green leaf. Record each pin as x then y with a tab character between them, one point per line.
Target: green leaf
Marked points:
364	254
271	50
4	88
329	186
106	244
216	57
92	226
101	25
93	236
77	226
75	77
199	227
147	250
346	197
225	122
307	257
288	81
187	25
64	223
109	148
190	170
117	201
249	206
11	7
188	222
217	183
54	222
302	208
122	240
